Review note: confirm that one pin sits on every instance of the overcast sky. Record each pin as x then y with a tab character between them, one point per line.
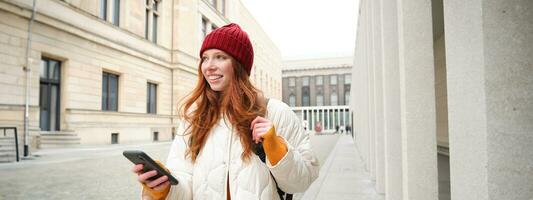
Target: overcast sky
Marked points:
308	28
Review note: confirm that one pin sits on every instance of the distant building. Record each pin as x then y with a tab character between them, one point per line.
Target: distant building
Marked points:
318	90
317	82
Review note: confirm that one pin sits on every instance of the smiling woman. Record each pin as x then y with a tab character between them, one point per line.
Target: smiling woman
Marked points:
233	142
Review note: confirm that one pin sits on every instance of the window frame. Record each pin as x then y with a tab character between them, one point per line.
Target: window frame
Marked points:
107	99
151	104
333	77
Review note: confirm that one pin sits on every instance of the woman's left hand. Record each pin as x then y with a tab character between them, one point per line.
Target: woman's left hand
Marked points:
259	127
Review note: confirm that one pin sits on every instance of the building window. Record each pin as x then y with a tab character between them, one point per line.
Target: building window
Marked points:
305	96
334	99
103	10
292	82
319	80
151	98
319	100
152	16
347	98
114	138
204	28
49	95
156	136
347	79
305	81
333	79
292	100
109	92
116	12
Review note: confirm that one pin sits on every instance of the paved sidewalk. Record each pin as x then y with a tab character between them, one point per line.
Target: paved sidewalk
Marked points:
343	176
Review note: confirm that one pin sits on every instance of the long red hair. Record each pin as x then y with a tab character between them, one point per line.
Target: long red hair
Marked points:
240	103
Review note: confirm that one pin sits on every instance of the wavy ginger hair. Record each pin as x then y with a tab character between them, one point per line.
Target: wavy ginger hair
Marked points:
240	103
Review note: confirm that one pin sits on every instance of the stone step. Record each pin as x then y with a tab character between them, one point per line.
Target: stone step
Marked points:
58	134
7	149
57	145
58	140
7	139
7	158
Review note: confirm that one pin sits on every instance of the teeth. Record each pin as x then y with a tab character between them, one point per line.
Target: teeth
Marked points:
214	77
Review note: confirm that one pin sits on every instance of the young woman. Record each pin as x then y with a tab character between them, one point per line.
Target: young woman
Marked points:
223	120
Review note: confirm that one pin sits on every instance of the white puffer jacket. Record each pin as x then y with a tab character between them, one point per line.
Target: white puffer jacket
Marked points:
206	179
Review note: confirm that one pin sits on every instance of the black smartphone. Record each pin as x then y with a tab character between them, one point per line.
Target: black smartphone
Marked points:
139	157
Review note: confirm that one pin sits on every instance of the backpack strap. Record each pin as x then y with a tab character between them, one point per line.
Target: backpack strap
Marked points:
260	152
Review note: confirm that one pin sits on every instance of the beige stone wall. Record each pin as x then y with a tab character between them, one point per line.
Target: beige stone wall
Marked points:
72	32
83	58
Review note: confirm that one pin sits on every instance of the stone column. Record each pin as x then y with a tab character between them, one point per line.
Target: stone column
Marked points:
417	100
378	96
323	120
490	98
391	97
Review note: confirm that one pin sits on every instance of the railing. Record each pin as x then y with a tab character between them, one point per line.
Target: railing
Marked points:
16	139
329	117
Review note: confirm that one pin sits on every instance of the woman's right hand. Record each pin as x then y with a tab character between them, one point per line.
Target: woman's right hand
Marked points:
158	185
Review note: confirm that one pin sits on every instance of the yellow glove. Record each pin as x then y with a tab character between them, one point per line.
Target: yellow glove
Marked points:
275	148
152	193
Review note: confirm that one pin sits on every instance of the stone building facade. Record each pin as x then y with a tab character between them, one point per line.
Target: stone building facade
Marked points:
112	71
317	82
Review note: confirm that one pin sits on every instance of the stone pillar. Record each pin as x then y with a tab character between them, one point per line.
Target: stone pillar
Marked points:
344	117
302	114
417	100
391	97
322	120
378	96
490	98
370	95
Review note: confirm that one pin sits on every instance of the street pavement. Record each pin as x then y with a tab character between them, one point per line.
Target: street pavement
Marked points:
95	172
343	176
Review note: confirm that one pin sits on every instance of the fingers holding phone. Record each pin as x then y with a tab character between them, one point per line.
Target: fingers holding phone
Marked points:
147	178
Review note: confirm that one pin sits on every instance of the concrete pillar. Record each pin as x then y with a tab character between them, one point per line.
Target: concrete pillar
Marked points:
417	98
344	117
378	96
312	118
308	119
322	119
361	87
391	97
327	118
490	98
338	116
370	95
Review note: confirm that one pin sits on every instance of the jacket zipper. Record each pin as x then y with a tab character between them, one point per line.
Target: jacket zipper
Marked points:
228	157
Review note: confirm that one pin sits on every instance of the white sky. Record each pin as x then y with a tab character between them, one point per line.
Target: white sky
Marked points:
308	28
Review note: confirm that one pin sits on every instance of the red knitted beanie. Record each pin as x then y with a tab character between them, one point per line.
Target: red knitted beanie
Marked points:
232	40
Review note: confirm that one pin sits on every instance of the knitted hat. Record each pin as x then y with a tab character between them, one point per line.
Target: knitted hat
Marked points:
232	40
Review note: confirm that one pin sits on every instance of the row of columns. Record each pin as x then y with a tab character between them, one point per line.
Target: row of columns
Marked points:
394	97
489	97
328	116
